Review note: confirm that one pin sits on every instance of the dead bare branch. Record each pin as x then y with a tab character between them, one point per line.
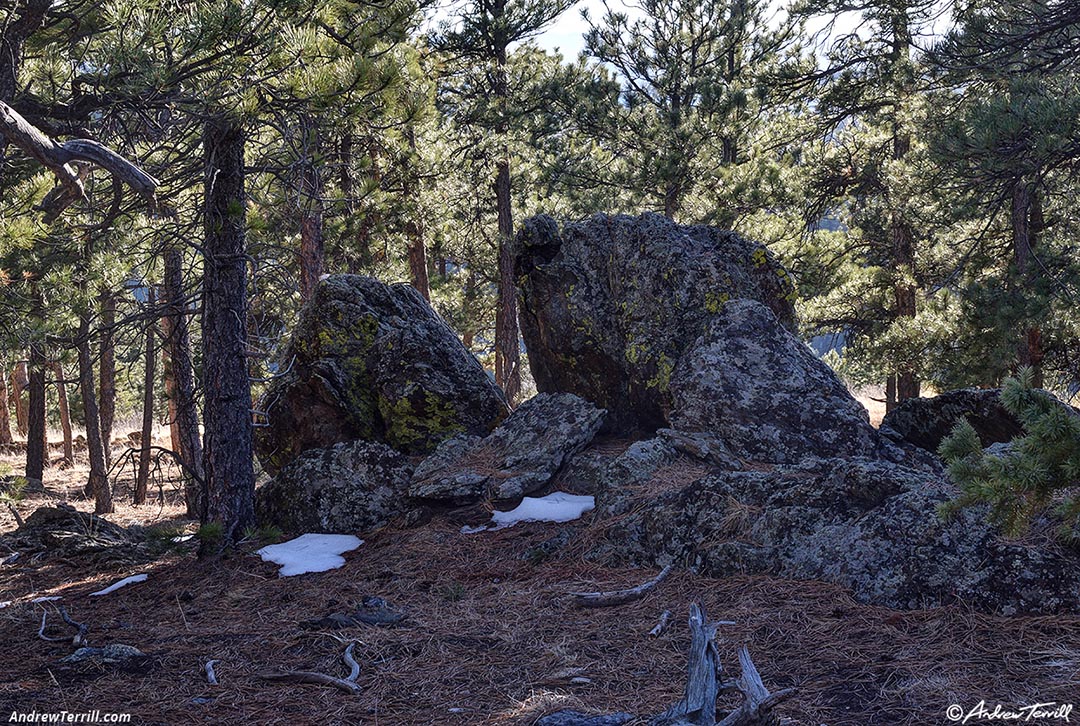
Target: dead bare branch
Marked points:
63	160
320	679
619	597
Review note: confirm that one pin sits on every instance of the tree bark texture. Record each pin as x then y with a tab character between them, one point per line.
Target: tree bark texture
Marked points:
178	343
5	416
65	412
147	440
98	483
230	479
107	373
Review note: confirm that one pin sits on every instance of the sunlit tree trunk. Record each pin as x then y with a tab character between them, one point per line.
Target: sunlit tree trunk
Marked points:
107	372
149	359
65	412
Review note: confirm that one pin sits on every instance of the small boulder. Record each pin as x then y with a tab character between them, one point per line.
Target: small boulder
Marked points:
115	656
609	305
343	489
374	362
761	392
518	458
926	422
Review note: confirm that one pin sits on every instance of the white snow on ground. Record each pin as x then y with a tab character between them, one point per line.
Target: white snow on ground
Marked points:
49	598
117	585
555	507
5	604
310	553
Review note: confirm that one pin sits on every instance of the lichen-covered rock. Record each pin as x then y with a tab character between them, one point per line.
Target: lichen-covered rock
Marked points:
346	488
754	386
373	361
610	305
65	532
868	524
518	458
925	422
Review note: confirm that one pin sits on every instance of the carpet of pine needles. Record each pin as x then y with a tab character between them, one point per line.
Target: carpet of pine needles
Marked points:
491	636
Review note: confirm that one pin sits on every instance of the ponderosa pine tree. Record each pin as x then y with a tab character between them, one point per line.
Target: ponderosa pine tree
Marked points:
481	34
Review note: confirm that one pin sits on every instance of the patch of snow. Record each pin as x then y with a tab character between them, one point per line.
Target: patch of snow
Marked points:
49	598
117	585
5	604
323	277
555	507
310	553
182	538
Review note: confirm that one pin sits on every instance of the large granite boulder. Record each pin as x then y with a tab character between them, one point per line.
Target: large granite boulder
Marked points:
751	384
518	458
610	305
374	362
869	524
344	489
925	422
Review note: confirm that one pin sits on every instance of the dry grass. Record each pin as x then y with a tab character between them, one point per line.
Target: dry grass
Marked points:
491	638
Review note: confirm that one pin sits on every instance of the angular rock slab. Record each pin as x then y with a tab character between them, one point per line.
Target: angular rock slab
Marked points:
610	304
518	458
867	524
343	489
373	361
754	386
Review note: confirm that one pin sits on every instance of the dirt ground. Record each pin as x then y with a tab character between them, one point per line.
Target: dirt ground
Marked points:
490	636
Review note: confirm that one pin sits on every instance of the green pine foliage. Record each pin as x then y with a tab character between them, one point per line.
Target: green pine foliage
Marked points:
1036	471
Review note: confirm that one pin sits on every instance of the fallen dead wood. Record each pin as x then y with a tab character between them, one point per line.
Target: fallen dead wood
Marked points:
619	597
661	626
320	679
354	667
347	684
78	640
698	706
211	676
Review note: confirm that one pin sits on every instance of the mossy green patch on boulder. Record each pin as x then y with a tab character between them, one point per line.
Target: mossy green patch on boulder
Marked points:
374	362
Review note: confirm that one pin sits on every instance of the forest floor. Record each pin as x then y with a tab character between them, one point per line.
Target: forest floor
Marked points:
490	636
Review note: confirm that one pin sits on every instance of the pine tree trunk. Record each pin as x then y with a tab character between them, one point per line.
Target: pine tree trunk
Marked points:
65	412
178	344
1026	218
903	246
414	228
230	477
37	450
98	483
107	386
20	382
311	252
170	387
507	347
143	477
5	416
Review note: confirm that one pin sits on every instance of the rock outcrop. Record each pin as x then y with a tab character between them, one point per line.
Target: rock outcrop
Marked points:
518	458
610	305
373	362
344	489
868	524
925	422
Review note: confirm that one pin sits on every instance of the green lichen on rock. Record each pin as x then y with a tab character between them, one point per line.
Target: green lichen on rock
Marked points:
374	362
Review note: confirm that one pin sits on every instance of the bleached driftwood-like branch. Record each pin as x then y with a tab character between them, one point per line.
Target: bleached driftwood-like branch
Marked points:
698	706
63	159
619	597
